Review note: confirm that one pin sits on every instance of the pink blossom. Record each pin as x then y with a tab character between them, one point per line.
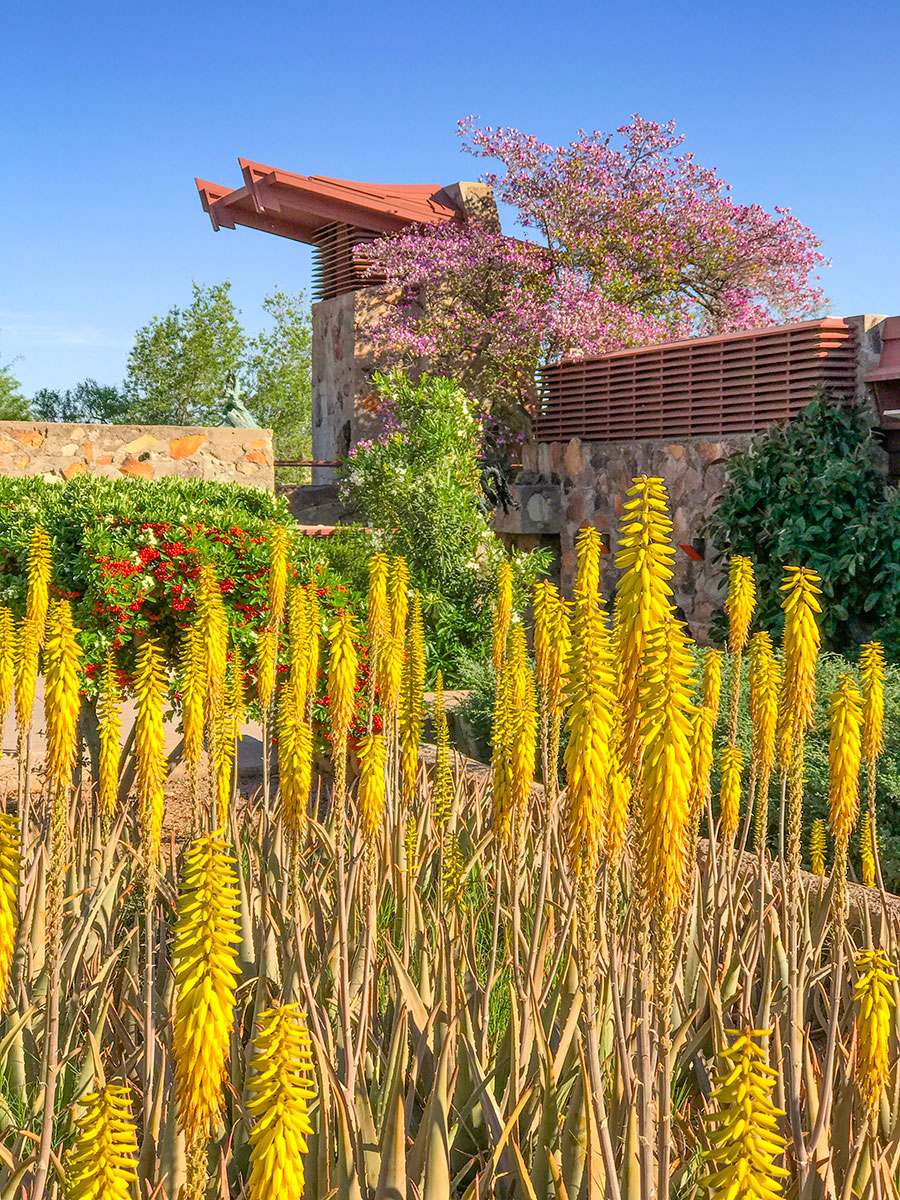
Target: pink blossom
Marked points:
626	242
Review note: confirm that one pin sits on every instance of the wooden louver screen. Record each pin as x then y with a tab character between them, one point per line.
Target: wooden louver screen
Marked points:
341	261
705	387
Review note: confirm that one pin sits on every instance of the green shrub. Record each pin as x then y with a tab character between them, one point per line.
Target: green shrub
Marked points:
418	487
127	554
812	492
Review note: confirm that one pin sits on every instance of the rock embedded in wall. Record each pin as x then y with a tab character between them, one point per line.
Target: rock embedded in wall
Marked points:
65	451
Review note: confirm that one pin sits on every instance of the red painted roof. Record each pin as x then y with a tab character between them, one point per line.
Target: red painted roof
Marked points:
298	206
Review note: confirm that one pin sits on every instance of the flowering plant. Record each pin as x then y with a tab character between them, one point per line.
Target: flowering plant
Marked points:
128	555
627	241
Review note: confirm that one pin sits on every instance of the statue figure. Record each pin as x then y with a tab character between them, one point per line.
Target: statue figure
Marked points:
236	412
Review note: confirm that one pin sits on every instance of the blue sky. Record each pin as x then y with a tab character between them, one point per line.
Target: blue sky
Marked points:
108	111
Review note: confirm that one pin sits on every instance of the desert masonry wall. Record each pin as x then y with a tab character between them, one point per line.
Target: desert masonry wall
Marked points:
64	451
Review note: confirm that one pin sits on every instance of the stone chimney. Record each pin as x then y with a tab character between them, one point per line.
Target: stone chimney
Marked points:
344	409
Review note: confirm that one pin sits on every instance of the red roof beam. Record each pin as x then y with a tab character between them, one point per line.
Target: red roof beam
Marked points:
297	206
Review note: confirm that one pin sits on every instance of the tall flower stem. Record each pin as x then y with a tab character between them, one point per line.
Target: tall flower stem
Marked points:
62	704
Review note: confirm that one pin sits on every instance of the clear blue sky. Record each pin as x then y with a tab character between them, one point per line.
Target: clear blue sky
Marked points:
110	109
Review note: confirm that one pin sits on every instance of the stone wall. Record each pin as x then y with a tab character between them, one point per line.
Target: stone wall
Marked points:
563	486
343	408
63	451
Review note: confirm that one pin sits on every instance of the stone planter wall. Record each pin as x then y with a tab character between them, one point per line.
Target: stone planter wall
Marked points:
586	483
63	451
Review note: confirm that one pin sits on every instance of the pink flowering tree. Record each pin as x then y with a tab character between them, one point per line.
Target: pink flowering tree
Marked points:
623	241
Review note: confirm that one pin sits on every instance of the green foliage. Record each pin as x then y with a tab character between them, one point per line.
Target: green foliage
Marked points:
418	486
179	364
13	405
127	554
89	401
277	376
811	492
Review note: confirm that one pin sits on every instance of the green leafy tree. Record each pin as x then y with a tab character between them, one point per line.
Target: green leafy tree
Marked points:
277	374
13	405
89	401
179	365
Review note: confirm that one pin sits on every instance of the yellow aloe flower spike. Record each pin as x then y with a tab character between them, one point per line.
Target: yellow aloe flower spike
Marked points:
844	751
7	659
109	713
442	792
665	719
266	654
867	850
10	862
503	612
817	840
712	682
730	792
740	603
412	684
206	972
874	994
38	569
591	722
62	695
280	1088
278	573
745	1141
342	668
149	746
644	597
371	793
102	1164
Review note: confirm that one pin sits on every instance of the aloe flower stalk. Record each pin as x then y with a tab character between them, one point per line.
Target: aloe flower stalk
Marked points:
666	715
523	713
7	659
590	723
740	604
867	850
874	994
712	682
817	842
26	671
102	1164
10	863
371	793
871	668
150	750
412	684
730	793
745	1142
798	692
502	612
206	972
280	1089
109	712
278	573
442	791
644	597
38	569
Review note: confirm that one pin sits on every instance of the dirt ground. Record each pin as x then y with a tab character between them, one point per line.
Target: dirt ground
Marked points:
177	816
